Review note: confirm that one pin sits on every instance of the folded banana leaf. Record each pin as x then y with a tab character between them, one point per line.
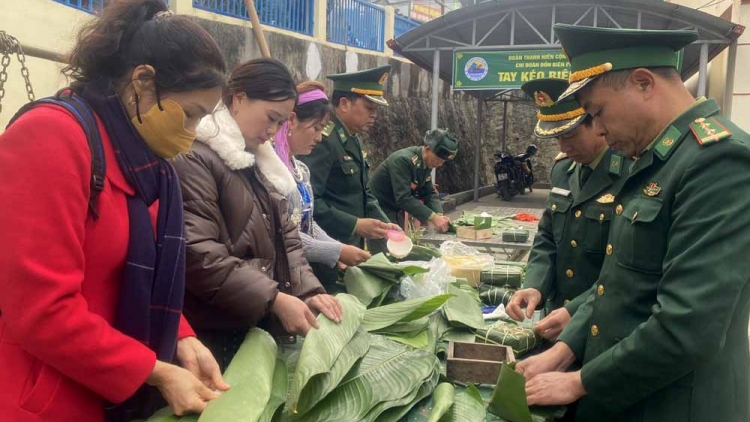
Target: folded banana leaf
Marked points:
421	253
442	401
520	339
385	316
279	390
419	340
468	406
251	375
509	398
380	266
464	308
515	235
365	285
396	414
323	346
496	296
502	275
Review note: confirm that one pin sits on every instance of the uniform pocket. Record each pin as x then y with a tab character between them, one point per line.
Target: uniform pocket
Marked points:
350	168
40	387
558	207
641	241
597	228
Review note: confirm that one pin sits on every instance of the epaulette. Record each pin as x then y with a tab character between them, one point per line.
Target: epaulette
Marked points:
615	164
561	156
415	159
709	130
328	129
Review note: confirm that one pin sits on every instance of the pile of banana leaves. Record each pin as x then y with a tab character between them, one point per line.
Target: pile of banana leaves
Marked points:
372	281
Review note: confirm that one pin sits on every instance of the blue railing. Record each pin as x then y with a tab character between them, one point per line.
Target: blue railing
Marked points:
356	23
89	6
403	25
293	15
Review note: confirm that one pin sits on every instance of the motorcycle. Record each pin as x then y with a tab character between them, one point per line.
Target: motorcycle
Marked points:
514	174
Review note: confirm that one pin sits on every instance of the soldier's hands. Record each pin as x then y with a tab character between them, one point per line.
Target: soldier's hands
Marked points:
526	298
352	255
370	228
552	325
555	388
558	358
441	222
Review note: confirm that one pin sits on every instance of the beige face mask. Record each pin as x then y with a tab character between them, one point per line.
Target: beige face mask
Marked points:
164	129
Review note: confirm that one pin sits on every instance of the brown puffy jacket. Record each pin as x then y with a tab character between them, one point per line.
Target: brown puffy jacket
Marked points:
242	248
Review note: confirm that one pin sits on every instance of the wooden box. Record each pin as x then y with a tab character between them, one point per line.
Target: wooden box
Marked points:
473	234
476	363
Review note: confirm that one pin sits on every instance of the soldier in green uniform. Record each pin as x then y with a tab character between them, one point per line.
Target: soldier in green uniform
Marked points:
570	246
344	205
664	334
403	182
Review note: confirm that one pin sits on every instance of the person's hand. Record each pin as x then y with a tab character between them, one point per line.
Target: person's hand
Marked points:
557	358
555	388
395	227
552	325
441	222
196	358
294	314
526	298
180	388
327	305
353	256
341	266
370	228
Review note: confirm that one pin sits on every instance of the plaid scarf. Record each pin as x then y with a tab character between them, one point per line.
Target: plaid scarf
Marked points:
153	287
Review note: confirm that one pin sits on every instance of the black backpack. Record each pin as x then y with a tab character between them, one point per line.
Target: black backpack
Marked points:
76	106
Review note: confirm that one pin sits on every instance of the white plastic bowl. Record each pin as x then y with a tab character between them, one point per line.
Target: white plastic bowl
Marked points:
400	249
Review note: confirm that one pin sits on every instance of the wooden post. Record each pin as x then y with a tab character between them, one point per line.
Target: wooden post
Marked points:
257	28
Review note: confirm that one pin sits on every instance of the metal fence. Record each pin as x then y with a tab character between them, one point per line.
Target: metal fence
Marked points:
403	25
356	23
293	15
89	6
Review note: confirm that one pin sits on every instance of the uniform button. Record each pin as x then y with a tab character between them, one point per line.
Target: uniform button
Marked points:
618	210
263	269
291	339
566	301
287	285
573	243
601	217
554	207
594	330
609	249
600	290
569	273
578	214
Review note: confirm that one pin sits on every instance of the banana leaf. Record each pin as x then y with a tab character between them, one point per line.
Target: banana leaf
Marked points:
379	318
251	374
438	326
396	414
323	346
409	327
319	386
162	415
442	401
388	373
468	406
380	266
509	398
463	309
420	340
279	390
399	404
520	339
502	275
422	253
365	285
496	296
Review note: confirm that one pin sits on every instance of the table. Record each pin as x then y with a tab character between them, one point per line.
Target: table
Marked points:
495	245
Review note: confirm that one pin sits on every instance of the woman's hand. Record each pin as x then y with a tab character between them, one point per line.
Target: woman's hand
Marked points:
180	388
353	256
294	314
196	358
327	305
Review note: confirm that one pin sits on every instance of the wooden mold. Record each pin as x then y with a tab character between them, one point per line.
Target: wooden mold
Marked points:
476	363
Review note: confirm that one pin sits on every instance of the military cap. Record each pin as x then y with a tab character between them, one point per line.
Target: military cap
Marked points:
555	119
595	51
442	143
368	83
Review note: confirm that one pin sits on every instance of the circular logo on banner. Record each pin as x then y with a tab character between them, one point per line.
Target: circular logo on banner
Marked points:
476	69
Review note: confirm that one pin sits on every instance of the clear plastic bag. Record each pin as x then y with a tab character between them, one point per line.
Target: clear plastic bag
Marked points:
431	283
465	261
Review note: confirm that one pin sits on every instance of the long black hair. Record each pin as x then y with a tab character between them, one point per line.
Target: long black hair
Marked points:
261	79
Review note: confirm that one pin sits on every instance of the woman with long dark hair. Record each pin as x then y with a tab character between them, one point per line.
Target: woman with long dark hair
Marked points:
92	290
245	262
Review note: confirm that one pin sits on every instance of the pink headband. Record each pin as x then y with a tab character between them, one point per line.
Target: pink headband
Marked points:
313	95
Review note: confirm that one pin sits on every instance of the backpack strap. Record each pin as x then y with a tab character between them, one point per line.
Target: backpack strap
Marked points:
76	106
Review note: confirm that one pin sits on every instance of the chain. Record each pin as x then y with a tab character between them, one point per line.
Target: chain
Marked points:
10	45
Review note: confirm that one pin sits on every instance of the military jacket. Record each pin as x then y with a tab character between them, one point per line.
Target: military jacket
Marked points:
570	245
403	183
339	177
664	334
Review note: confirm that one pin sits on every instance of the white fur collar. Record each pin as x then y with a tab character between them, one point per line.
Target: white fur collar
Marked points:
221	133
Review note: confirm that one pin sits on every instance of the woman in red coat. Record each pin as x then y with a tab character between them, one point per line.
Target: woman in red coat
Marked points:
90	309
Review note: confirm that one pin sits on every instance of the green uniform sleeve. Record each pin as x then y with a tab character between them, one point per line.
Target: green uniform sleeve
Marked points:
401	172
373	207
705	271
430	197
540	270
339	224
576	332
573	305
